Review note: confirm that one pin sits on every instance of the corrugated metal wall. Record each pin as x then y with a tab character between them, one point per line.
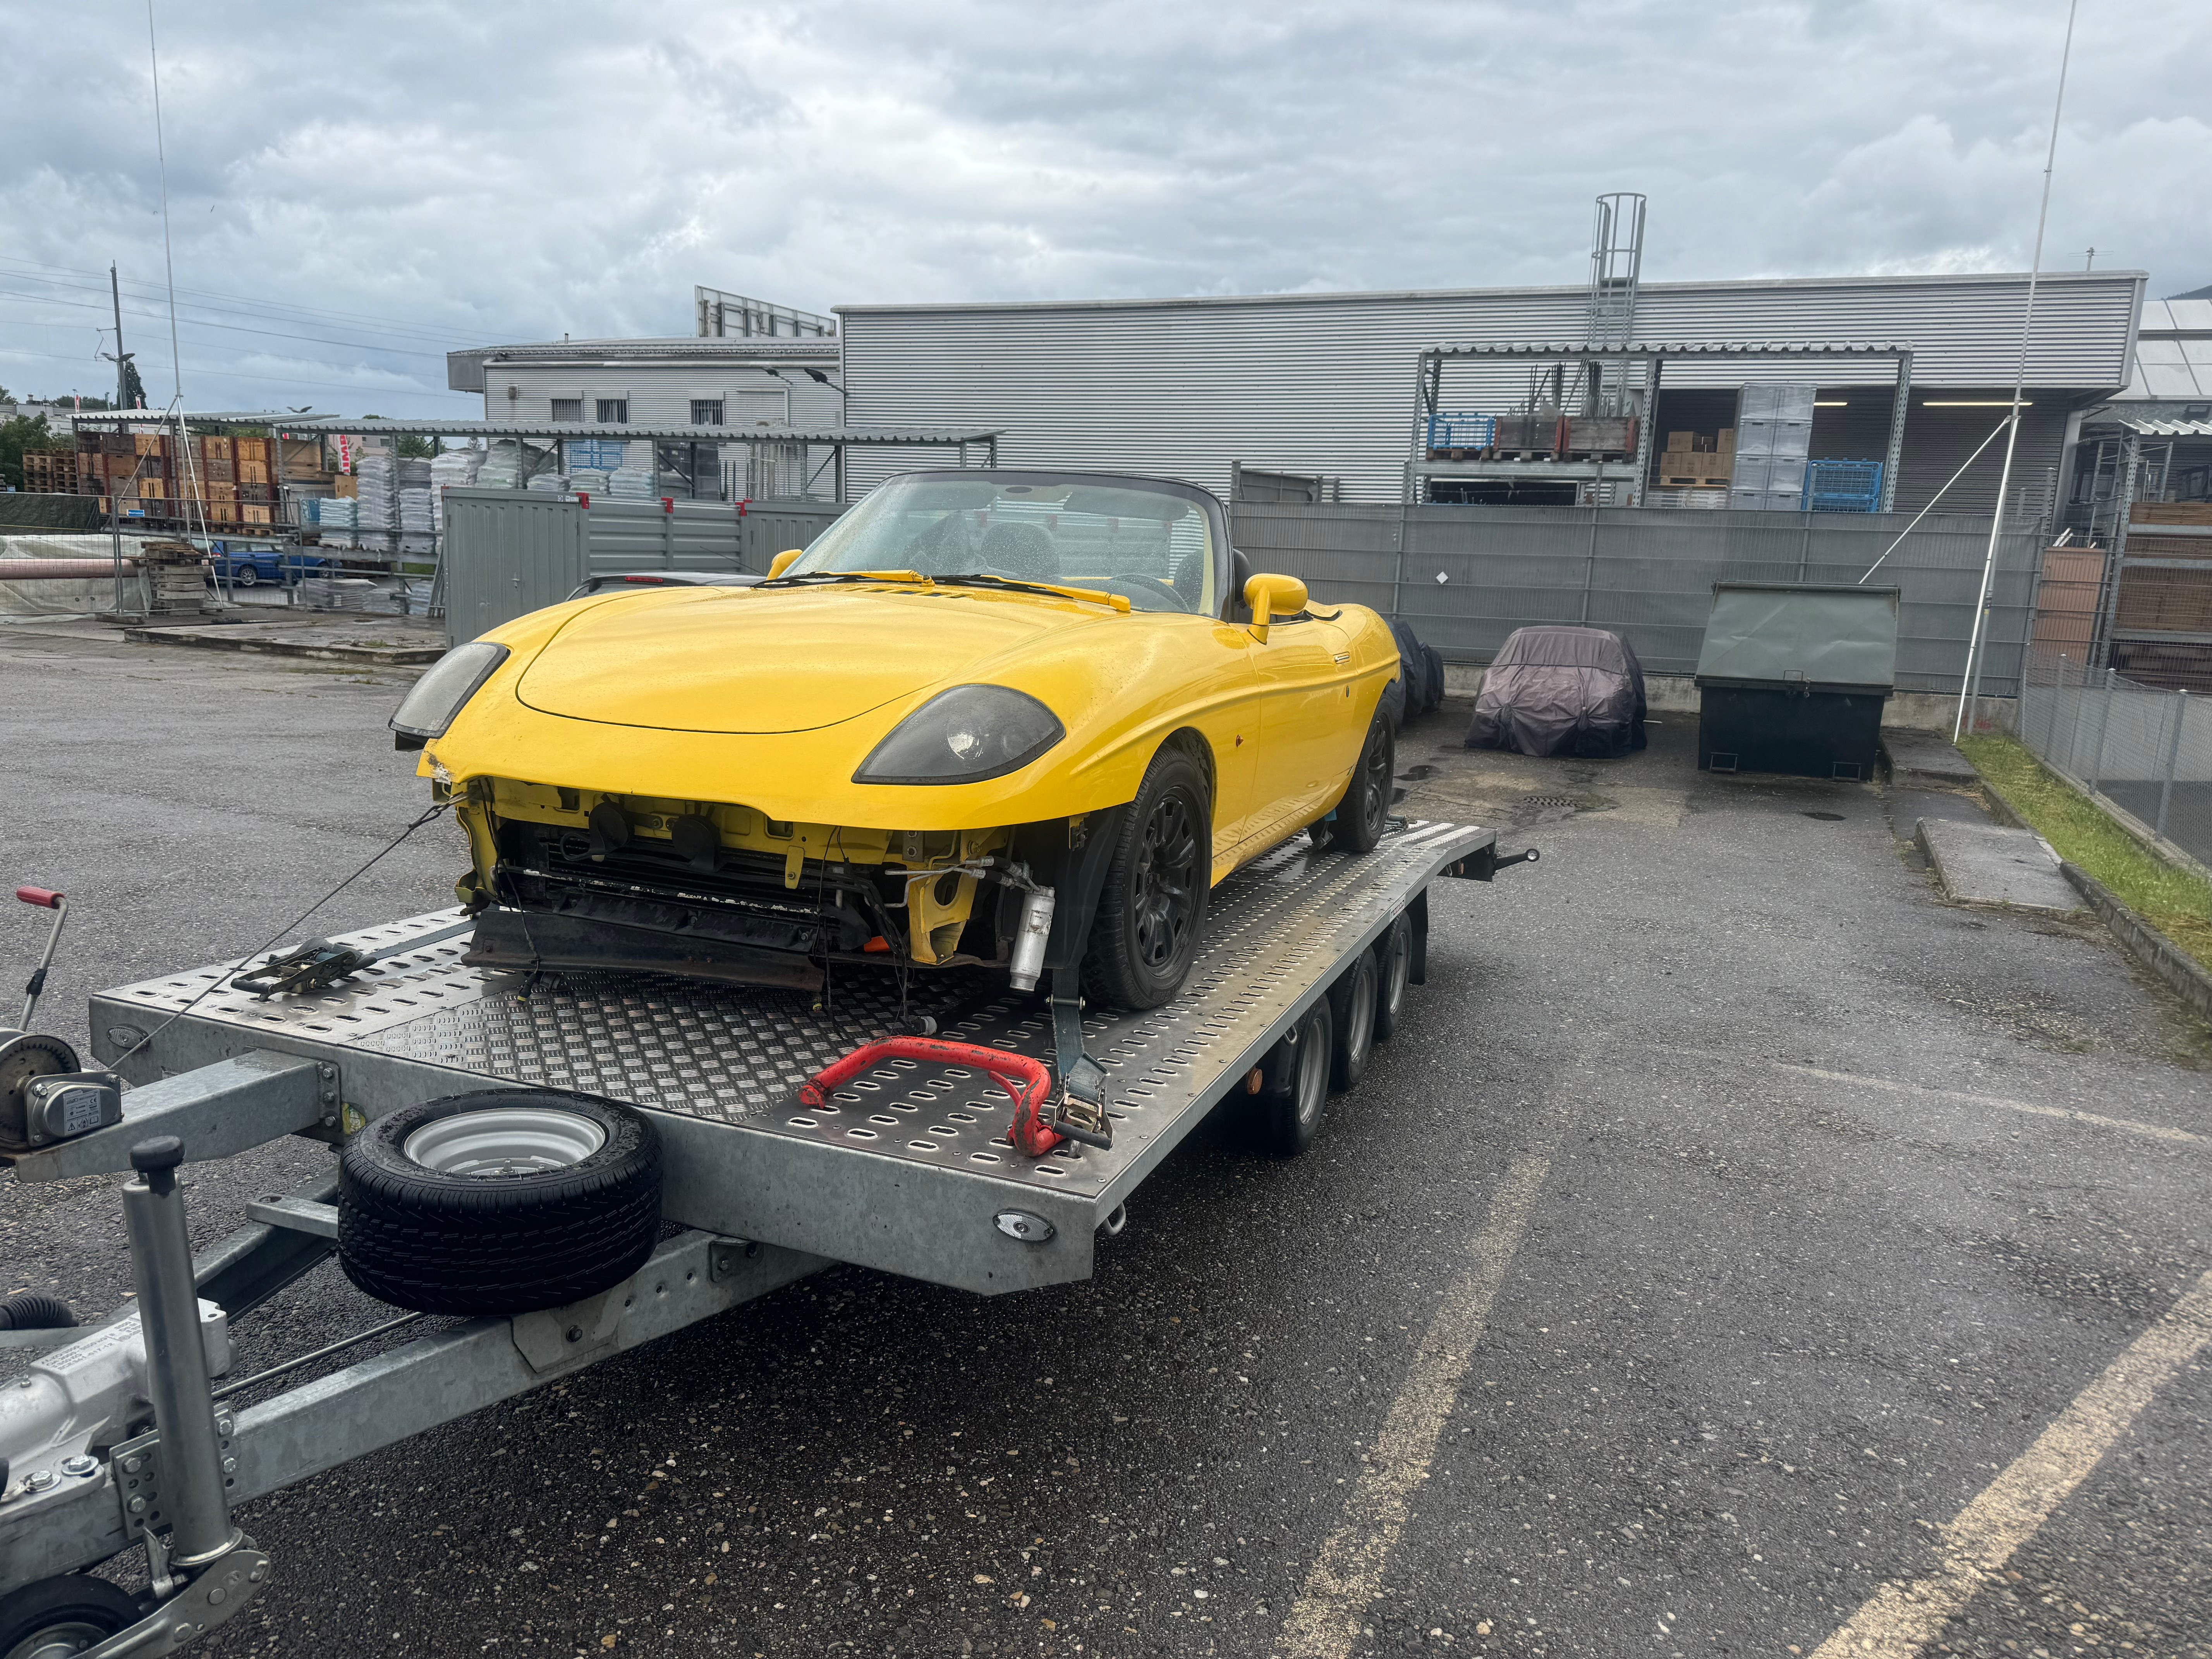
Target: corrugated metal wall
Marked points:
1326	384
661	394
1473	575
509	552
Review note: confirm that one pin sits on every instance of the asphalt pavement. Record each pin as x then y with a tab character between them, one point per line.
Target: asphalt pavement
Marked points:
1735	1229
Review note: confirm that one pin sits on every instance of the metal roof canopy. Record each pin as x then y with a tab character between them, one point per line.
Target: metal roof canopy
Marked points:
190	417
1428	387
2155	428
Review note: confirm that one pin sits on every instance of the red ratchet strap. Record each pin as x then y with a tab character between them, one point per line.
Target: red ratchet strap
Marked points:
45	897
1025	1079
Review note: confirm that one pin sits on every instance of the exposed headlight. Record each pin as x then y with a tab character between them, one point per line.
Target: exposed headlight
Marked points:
441	694
964	736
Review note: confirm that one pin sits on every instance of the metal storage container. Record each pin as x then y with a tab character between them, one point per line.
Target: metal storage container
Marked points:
1792	678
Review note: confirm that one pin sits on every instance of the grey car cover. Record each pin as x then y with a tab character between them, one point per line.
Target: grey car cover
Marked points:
1557	690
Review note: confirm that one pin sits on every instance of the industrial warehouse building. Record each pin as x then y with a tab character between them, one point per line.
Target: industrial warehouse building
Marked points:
1324	384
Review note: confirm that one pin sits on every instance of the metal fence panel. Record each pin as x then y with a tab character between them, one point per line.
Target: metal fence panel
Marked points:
633	535
2146	749
1468	576
771	527
509	552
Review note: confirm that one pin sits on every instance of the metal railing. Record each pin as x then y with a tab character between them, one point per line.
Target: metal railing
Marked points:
2146	750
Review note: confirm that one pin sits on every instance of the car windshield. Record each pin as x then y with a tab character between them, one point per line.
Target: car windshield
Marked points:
1151	546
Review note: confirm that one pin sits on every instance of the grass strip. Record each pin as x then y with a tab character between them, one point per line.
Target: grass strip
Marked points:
2175	902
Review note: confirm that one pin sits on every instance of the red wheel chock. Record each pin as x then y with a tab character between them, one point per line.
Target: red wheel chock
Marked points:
1027	1080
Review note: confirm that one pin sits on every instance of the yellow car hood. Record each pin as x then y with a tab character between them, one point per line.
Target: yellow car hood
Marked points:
744	662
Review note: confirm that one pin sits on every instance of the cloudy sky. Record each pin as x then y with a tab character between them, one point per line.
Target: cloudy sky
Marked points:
355	189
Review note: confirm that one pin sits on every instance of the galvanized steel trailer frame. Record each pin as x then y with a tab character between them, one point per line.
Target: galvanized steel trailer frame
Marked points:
907	1169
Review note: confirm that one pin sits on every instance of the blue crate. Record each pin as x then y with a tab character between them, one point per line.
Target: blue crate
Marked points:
1461	430
1842	487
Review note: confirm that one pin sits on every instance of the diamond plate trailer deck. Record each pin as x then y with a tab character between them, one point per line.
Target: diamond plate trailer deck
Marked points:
906	1167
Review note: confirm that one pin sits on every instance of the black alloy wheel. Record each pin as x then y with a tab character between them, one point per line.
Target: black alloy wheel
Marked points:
1366	808
1153	905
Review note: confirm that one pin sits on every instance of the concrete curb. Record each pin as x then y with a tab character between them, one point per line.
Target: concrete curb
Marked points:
378	656
2145	942
2141	941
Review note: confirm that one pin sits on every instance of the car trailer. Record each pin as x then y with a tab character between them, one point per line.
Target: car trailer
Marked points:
124	1434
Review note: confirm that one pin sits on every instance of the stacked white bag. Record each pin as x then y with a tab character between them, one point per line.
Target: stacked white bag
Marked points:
378	508
452	468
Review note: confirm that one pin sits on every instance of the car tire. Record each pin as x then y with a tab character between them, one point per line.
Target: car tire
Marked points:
501	1201
1365	812
65	1614
1152	907
1287	1115
1351	1004
1394	963
244	576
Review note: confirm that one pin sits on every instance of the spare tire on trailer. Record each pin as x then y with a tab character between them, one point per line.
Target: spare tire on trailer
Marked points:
499	1201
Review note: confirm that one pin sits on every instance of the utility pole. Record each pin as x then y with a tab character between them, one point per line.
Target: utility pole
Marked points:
115	292
122	373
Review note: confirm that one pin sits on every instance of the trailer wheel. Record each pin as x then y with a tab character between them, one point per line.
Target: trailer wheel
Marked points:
1287	1115
502	1201
1351	1004
1393	961
55	1617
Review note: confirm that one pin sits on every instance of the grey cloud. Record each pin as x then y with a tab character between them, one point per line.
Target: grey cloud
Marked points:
506	171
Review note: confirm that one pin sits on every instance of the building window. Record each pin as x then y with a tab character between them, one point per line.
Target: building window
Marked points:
568	409
705	411
614	411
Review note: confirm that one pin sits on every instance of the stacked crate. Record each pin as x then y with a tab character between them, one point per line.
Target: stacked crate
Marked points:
229	482
1773	437
1698	461
49	472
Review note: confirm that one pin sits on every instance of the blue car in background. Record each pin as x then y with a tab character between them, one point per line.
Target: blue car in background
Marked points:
248	567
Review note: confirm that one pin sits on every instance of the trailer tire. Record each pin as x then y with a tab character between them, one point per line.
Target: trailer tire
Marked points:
501	1201
1394	963
1287	1116
73	1609
1352	1000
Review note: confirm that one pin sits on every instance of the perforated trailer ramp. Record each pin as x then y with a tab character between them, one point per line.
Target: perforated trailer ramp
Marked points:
908	1167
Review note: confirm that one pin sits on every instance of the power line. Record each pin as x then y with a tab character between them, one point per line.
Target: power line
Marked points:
266	379
247	298
271	312
232	328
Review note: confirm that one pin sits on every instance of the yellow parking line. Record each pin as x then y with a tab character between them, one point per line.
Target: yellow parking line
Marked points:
1347	1574
1899	1620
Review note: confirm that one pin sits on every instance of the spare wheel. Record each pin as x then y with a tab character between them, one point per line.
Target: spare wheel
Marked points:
499	1202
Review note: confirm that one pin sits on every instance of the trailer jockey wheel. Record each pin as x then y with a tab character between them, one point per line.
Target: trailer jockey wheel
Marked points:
1393	961
1287	1115
502	1201
1351	1002
55	1617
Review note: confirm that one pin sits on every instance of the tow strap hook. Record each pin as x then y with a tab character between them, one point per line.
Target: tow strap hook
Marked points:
318	964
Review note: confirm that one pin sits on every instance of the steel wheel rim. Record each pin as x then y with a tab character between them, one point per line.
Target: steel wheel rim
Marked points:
63	1640
1397	960
504	1140
1166	890
1313	1077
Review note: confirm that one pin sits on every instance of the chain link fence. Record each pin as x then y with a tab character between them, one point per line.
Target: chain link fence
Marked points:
2144	750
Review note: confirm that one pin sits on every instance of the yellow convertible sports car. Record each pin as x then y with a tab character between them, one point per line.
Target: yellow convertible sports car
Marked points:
1006	718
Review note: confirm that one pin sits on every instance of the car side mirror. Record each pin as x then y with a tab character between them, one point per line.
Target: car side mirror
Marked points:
1269	597
783	562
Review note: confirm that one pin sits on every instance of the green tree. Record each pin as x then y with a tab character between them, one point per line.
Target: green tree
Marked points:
134	389
18	433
